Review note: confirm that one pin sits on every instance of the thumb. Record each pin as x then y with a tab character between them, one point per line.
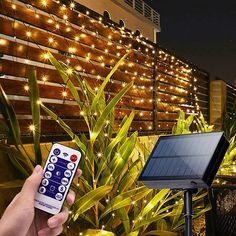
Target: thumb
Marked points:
32	183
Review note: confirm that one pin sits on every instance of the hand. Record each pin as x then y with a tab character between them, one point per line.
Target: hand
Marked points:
22	219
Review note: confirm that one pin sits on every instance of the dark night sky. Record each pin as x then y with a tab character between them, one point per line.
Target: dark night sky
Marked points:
201	31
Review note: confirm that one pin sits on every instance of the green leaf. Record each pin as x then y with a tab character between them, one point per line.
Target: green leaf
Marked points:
125	199
21	162
124	217
97	232
150	220
35	110
102	119
135	233
121	134
177	211
160	233
101	89
10	117
156	199
90	199
18	183
65	127
64	75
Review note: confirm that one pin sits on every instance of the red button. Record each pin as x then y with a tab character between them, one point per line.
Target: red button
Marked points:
73	158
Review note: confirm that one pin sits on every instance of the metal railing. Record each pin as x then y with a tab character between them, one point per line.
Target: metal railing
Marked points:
144	9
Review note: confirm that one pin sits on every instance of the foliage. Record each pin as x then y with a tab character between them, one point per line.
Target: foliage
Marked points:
109	199
17	153
185	126
229	122
109	196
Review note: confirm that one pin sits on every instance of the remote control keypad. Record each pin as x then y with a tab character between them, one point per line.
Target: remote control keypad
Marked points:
57	175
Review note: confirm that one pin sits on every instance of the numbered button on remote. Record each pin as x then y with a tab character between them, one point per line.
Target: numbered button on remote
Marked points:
67	173
45	182
48	174
53	159
51	167
58	196
42	189
70	166
61	189
64	181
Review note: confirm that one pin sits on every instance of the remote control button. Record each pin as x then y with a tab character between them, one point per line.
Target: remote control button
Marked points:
70	166
53	159
51	167
58	196
67	173
56	151
52	188
73	158
61	189
45	182
64	181
48	174
42	190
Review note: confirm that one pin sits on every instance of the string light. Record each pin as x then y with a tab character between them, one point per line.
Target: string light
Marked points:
44	3
64	93
50	40
28	34
72	4
26	88
32	128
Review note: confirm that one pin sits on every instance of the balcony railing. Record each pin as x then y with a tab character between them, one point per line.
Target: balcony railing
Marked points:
144	9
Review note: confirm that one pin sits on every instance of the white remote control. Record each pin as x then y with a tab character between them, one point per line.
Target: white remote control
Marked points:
59	171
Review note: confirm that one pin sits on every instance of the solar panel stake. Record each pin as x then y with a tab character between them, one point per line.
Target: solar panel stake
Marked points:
188	210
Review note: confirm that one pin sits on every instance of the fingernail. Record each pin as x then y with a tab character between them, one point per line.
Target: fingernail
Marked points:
36	170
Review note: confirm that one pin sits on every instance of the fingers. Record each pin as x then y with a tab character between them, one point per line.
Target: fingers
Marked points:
71	195
78	173
58	219
32	183
50	232
70	199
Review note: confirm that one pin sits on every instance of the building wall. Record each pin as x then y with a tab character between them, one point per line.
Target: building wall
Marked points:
133	20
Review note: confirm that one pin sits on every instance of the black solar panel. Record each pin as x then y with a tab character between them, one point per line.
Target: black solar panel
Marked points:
181	157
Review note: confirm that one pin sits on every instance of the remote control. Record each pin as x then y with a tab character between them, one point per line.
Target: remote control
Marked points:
58	174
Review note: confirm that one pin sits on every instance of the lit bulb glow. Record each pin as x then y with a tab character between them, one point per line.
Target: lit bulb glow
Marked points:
32	128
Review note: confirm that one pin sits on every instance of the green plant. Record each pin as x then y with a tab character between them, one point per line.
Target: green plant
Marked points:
20	158
109	196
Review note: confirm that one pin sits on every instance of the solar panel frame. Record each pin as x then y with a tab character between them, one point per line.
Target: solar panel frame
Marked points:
217	151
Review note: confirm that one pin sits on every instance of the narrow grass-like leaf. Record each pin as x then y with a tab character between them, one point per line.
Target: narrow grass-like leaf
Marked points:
125	199
121	134
21	162
156	199
101	89
97	232
160	233
10	117
102	119
90	199
65	127
65	76
35	110
151	220
17	183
